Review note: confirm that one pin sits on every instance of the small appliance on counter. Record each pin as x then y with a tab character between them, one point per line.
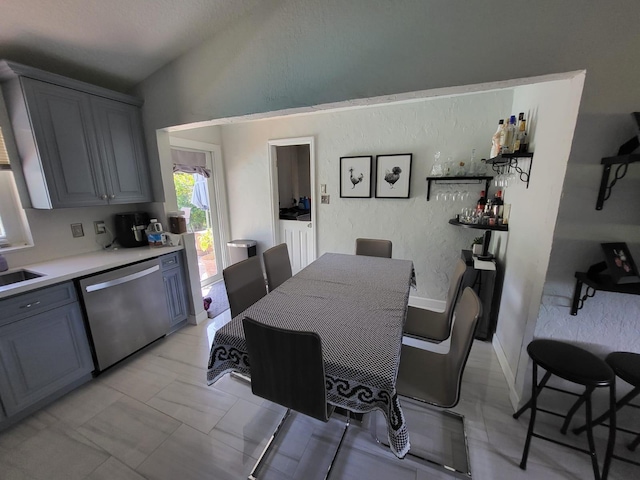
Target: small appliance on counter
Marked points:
130	229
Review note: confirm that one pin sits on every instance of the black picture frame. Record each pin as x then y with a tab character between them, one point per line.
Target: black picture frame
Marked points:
393	175
355	176
622	268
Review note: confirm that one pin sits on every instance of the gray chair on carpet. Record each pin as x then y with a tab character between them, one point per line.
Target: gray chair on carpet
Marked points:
287	368
277	265
373	247
436	326
245	285
434	378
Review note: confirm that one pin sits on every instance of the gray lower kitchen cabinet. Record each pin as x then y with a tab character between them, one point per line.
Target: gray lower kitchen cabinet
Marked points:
79	145
42	355
175	289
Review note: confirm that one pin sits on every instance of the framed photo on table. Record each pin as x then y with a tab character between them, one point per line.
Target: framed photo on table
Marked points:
355	177
393	175
621	266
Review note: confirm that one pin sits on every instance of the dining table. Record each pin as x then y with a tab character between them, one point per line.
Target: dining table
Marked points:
357	304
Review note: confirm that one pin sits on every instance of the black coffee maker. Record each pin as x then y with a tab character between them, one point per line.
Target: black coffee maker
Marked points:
130	229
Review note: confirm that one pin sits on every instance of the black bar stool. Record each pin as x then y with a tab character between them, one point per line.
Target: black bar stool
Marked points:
579	366
625	365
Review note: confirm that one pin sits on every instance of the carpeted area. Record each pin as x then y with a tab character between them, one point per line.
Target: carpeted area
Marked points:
219	301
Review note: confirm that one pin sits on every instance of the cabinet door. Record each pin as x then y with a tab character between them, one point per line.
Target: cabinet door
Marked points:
121	143
64	131
175	290
42	354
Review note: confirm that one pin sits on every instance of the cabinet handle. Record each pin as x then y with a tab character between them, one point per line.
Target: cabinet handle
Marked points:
29	305
112	196
103	196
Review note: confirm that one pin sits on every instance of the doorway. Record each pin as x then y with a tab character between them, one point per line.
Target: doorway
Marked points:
292	171
196	182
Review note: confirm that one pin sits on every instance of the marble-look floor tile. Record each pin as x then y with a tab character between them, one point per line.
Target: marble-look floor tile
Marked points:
200	407
113	469
191	455
57	453
247	427
30	426
137	379
82	404
129	430
8	472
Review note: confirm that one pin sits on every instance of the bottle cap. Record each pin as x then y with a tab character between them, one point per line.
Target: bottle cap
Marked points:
512	119
501	122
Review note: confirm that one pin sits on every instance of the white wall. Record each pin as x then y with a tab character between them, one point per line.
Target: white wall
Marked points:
551	109
418	229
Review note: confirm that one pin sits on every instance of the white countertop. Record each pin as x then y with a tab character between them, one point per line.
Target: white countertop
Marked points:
68	268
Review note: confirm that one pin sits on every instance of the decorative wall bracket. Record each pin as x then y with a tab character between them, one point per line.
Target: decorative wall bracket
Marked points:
508	162
597	281
623	162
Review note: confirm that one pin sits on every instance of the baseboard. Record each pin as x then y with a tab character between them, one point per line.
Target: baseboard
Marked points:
514	398
197	318
428	303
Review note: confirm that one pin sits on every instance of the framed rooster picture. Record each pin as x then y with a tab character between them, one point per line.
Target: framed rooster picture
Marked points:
393	175
355	177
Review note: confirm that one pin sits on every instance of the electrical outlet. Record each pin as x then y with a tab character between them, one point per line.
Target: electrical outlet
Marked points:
77	230
99	227
324	199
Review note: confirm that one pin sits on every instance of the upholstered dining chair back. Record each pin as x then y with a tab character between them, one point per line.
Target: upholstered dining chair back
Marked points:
373	247
287	368
454	289
245	285
436	378
277	265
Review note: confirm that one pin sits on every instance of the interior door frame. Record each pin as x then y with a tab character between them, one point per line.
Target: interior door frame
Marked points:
273	179
217	185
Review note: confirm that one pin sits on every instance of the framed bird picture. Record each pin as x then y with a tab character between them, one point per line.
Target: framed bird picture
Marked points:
355	177
393	175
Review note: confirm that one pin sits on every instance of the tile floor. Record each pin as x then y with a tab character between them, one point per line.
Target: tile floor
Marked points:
154	417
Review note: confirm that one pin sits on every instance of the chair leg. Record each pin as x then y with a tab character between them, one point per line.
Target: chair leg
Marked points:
612	432
632	446
335	455
619	404
535	390
585	396
592	446
256	467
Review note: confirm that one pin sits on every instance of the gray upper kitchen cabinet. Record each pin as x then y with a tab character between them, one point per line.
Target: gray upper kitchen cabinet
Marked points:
80	145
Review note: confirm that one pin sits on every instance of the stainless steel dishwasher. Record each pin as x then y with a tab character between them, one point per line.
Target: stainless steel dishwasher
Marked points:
126	310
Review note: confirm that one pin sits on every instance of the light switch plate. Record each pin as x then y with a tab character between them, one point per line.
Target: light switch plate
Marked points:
76	230
324	199
323	188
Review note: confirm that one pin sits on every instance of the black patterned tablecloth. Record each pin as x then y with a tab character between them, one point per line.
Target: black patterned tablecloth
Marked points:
357	304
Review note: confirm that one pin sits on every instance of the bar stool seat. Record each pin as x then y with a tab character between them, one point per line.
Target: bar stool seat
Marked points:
626	365
578	366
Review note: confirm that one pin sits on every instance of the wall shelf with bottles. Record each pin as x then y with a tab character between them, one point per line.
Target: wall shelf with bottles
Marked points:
509	162
623	162
460	180
499	228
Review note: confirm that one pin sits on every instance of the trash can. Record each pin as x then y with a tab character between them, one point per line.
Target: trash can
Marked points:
241	250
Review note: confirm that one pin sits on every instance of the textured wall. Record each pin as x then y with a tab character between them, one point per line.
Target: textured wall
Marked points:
418	229
304	52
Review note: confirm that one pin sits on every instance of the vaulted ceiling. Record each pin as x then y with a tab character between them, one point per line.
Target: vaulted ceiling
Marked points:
112	43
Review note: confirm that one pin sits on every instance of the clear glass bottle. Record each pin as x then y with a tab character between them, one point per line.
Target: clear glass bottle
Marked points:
495	140
438	169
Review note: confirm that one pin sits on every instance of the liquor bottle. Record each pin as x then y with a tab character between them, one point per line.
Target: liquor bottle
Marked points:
481	203
521	138
497	205
509	135
495	140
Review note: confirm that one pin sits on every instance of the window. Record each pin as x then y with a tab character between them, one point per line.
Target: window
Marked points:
14	231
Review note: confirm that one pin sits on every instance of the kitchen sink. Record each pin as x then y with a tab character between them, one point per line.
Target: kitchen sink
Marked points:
17	276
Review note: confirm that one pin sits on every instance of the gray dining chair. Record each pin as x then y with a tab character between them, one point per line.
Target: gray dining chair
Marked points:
435	379
436	326
373	247
245	285
287	368
277	265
